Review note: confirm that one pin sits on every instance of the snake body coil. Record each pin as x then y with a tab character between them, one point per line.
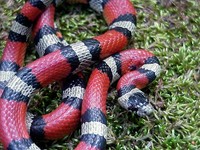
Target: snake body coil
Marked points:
17	85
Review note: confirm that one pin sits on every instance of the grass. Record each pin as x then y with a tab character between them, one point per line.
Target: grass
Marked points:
169	29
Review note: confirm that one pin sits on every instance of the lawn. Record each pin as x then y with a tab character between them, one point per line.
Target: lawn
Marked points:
168	28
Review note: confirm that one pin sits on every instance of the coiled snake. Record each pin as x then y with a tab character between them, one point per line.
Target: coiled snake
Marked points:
17	83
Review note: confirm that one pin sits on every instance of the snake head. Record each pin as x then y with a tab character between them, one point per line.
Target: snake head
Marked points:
135	101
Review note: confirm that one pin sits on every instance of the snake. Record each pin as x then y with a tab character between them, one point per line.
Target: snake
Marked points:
59	60
63	120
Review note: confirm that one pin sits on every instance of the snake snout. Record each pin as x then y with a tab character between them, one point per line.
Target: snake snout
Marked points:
145	110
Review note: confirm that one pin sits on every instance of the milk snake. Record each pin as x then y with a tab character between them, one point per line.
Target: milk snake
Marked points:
18	83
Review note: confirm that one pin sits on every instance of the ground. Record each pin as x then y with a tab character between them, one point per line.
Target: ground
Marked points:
168	28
